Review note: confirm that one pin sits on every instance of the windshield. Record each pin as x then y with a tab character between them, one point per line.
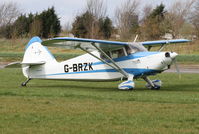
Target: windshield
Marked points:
136	47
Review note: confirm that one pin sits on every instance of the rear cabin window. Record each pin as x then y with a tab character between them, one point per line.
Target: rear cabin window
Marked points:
115	54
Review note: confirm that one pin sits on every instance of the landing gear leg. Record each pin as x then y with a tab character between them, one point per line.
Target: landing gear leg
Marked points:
151	84
25	83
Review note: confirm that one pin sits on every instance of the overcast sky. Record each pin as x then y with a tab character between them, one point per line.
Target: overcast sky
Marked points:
68	9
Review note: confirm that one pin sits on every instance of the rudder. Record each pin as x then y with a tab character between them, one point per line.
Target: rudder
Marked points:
35	52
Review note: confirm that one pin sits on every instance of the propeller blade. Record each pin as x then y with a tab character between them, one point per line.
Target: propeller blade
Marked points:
177	68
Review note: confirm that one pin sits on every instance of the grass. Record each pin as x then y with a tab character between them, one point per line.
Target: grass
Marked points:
18	56
96	107
185	59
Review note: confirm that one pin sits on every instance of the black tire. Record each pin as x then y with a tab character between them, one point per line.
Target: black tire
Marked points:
131	89
23	84
155	88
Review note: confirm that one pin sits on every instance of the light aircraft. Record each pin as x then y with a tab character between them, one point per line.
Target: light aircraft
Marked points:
110	61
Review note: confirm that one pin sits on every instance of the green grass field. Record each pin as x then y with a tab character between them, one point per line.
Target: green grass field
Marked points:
96	107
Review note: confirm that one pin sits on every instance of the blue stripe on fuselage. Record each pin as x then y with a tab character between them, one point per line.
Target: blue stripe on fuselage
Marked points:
135	72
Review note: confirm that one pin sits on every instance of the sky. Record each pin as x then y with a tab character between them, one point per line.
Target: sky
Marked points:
68	9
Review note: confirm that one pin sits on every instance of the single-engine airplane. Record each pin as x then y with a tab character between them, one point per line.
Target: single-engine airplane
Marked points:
110	60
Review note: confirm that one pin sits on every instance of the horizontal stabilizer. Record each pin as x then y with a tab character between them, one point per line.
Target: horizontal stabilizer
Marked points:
14	65
18	64
33	63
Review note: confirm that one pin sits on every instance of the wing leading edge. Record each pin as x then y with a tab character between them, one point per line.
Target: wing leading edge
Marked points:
73	43
162	42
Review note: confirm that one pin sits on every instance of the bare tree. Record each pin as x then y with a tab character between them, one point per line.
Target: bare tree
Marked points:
195	18
127	19
8	13
177	15
98	9
146	11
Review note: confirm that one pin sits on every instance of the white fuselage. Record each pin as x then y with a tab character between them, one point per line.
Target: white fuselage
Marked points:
87	67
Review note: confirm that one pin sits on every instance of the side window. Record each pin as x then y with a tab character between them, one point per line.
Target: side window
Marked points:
103	57
115	53
128	50
118	53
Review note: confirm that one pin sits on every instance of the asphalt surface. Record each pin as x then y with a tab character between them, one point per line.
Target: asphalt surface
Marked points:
3	64
185	68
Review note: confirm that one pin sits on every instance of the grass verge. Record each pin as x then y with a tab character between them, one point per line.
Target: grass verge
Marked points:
95	107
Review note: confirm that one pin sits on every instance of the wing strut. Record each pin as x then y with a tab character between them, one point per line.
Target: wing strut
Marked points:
112	61
161	48
115	66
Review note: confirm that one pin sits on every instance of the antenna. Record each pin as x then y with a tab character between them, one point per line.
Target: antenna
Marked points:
136	37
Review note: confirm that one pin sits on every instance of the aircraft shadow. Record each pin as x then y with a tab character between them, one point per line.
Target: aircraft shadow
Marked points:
77	87
182	87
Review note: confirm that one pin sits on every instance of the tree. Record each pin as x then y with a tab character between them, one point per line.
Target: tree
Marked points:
146	11
152	28
35	27
106	27
82	24
50	23
177	16
22	25
97	8
45	24
8	13
195	18
93	23
127	19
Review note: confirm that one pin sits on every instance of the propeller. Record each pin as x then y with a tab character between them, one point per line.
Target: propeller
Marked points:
177	68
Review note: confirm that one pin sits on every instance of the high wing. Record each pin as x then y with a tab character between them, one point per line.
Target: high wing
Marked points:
162	43
74	43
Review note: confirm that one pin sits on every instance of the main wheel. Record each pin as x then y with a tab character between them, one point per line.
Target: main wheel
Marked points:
155	88
157	85
127	85
23	84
